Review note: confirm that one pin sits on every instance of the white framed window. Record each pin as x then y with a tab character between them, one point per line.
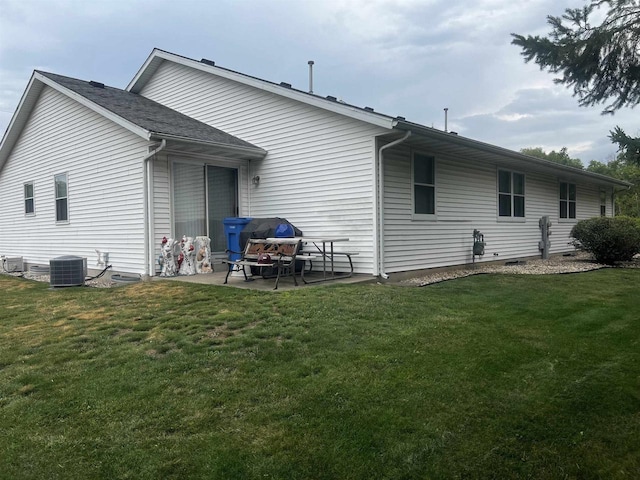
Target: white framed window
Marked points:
423	179
603	203
511	195
567	200
62	197
29	199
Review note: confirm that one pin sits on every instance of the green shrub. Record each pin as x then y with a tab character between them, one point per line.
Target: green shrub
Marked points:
609	239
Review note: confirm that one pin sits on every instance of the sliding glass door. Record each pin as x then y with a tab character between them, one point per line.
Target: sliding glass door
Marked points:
202	197
222	188
189	207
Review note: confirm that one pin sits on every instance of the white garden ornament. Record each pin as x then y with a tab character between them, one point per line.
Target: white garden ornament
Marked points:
187	258
168	257
203	255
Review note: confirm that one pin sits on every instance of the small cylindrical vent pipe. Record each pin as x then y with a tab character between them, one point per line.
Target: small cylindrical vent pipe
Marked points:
310	63
446	114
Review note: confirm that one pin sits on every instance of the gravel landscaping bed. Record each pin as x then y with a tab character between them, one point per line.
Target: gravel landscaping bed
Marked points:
579	262
102	282
558	264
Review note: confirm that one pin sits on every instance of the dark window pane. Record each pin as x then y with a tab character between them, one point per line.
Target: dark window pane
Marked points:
424	200
504	182
563	191
563	209
61	210
518	184
572	191
603	210
61	186
504	207
423	169
28	205
518	206
572	209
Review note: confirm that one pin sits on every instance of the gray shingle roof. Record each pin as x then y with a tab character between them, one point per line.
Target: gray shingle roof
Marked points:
147	114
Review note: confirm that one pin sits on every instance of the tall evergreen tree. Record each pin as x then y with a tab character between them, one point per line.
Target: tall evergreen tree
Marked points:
601	62
629	147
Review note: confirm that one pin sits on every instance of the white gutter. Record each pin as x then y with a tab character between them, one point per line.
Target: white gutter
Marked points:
246	150
149	225
554	167
380	202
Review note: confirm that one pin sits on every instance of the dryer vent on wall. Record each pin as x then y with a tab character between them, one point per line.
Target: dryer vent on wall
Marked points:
67	271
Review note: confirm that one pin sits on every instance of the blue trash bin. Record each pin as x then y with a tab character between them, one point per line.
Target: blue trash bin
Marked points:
232	228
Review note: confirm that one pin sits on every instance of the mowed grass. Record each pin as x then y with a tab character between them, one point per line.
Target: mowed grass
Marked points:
492	376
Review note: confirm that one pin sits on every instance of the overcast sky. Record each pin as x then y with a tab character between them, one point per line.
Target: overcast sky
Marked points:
401	57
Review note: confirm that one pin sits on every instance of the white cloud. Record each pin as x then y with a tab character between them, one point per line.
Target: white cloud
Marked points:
402	57
513	117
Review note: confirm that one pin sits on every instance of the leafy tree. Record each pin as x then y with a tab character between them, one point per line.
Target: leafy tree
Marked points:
627	201
559	157
600	61
599	167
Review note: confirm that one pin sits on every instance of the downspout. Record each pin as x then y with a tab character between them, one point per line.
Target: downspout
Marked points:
149	224
381	271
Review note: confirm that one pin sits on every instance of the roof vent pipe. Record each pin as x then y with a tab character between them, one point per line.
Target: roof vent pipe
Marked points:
446	114
310	63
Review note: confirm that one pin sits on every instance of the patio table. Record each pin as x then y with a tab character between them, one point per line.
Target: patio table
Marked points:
324	248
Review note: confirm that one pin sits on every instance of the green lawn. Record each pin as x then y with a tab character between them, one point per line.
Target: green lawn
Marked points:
492	376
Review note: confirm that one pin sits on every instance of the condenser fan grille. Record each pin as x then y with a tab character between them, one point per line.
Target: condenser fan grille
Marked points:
68	271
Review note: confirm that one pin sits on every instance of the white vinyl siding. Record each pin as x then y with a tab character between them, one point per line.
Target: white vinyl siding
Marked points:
467	200
104	166
319	171
161	201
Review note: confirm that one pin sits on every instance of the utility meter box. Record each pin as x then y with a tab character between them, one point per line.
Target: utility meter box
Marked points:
478	248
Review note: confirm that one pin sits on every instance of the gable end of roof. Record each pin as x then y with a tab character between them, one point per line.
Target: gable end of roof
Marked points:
140	115
157	57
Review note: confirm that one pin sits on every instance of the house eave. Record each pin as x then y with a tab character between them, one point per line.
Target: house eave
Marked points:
132	127
223	149
19	119
28	101
452	143
157	57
